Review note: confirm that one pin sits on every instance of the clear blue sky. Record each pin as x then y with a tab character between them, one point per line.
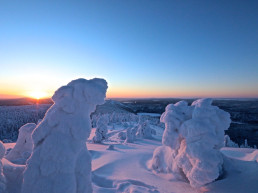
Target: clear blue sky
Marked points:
143	48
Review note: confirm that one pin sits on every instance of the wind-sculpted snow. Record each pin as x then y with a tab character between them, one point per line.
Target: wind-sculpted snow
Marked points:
60	161
24	145
2	177
194	134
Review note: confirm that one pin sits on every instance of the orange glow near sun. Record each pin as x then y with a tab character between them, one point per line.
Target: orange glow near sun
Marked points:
37	94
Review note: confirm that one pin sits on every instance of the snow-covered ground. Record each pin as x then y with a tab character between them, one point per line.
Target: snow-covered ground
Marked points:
125	169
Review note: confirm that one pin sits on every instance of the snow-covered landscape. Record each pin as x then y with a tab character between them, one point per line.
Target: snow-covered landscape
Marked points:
77	148
136	96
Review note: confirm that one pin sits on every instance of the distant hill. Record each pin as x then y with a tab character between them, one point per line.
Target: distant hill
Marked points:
24	101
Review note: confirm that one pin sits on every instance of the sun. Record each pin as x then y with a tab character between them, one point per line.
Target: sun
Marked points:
37	94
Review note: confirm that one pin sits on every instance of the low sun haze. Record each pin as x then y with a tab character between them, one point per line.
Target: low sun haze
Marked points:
142	48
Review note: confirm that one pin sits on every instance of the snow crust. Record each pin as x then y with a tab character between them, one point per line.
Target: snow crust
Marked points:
24	145
60	161
194	135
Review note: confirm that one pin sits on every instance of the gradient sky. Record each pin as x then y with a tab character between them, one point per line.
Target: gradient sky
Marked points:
142	48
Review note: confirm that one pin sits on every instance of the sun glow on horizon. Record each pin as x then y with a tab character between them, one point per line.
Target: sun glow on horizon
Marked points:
38	94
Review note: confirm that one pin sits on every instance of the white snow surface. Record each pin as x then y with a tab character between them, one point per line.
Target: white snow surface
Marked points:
60	161
126	168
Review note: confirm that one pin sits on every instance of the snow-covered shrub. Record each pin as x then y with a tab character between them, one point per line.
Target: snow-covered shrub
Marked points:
2	177
144	130
131	134
24	145
101	129
228	142
60	161
195	134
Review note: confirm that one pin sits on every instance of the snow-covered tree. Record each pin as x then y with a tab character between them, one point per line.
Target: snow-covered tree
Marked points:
228	142
60	161
144	130
101	129
192	139
2	177
245	145
24	145
130	134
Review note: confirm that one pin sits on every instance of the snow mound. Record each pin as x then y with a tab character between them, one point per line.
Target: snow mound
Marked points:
131	186
244	154
194	134
60	161
24	145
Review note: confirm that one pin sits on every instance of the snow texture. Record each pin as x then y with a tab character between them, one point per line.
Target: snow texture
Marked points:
195	134
60	161
101	129
2	177
24	145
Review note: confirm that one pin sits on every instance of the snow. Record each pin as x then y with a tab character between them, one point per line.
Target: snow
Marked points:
244	154
126	168
60	161
118	166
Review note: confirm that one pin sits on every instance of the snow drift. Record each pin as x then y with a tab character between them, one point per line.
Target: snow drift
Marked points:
191	141
60	161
